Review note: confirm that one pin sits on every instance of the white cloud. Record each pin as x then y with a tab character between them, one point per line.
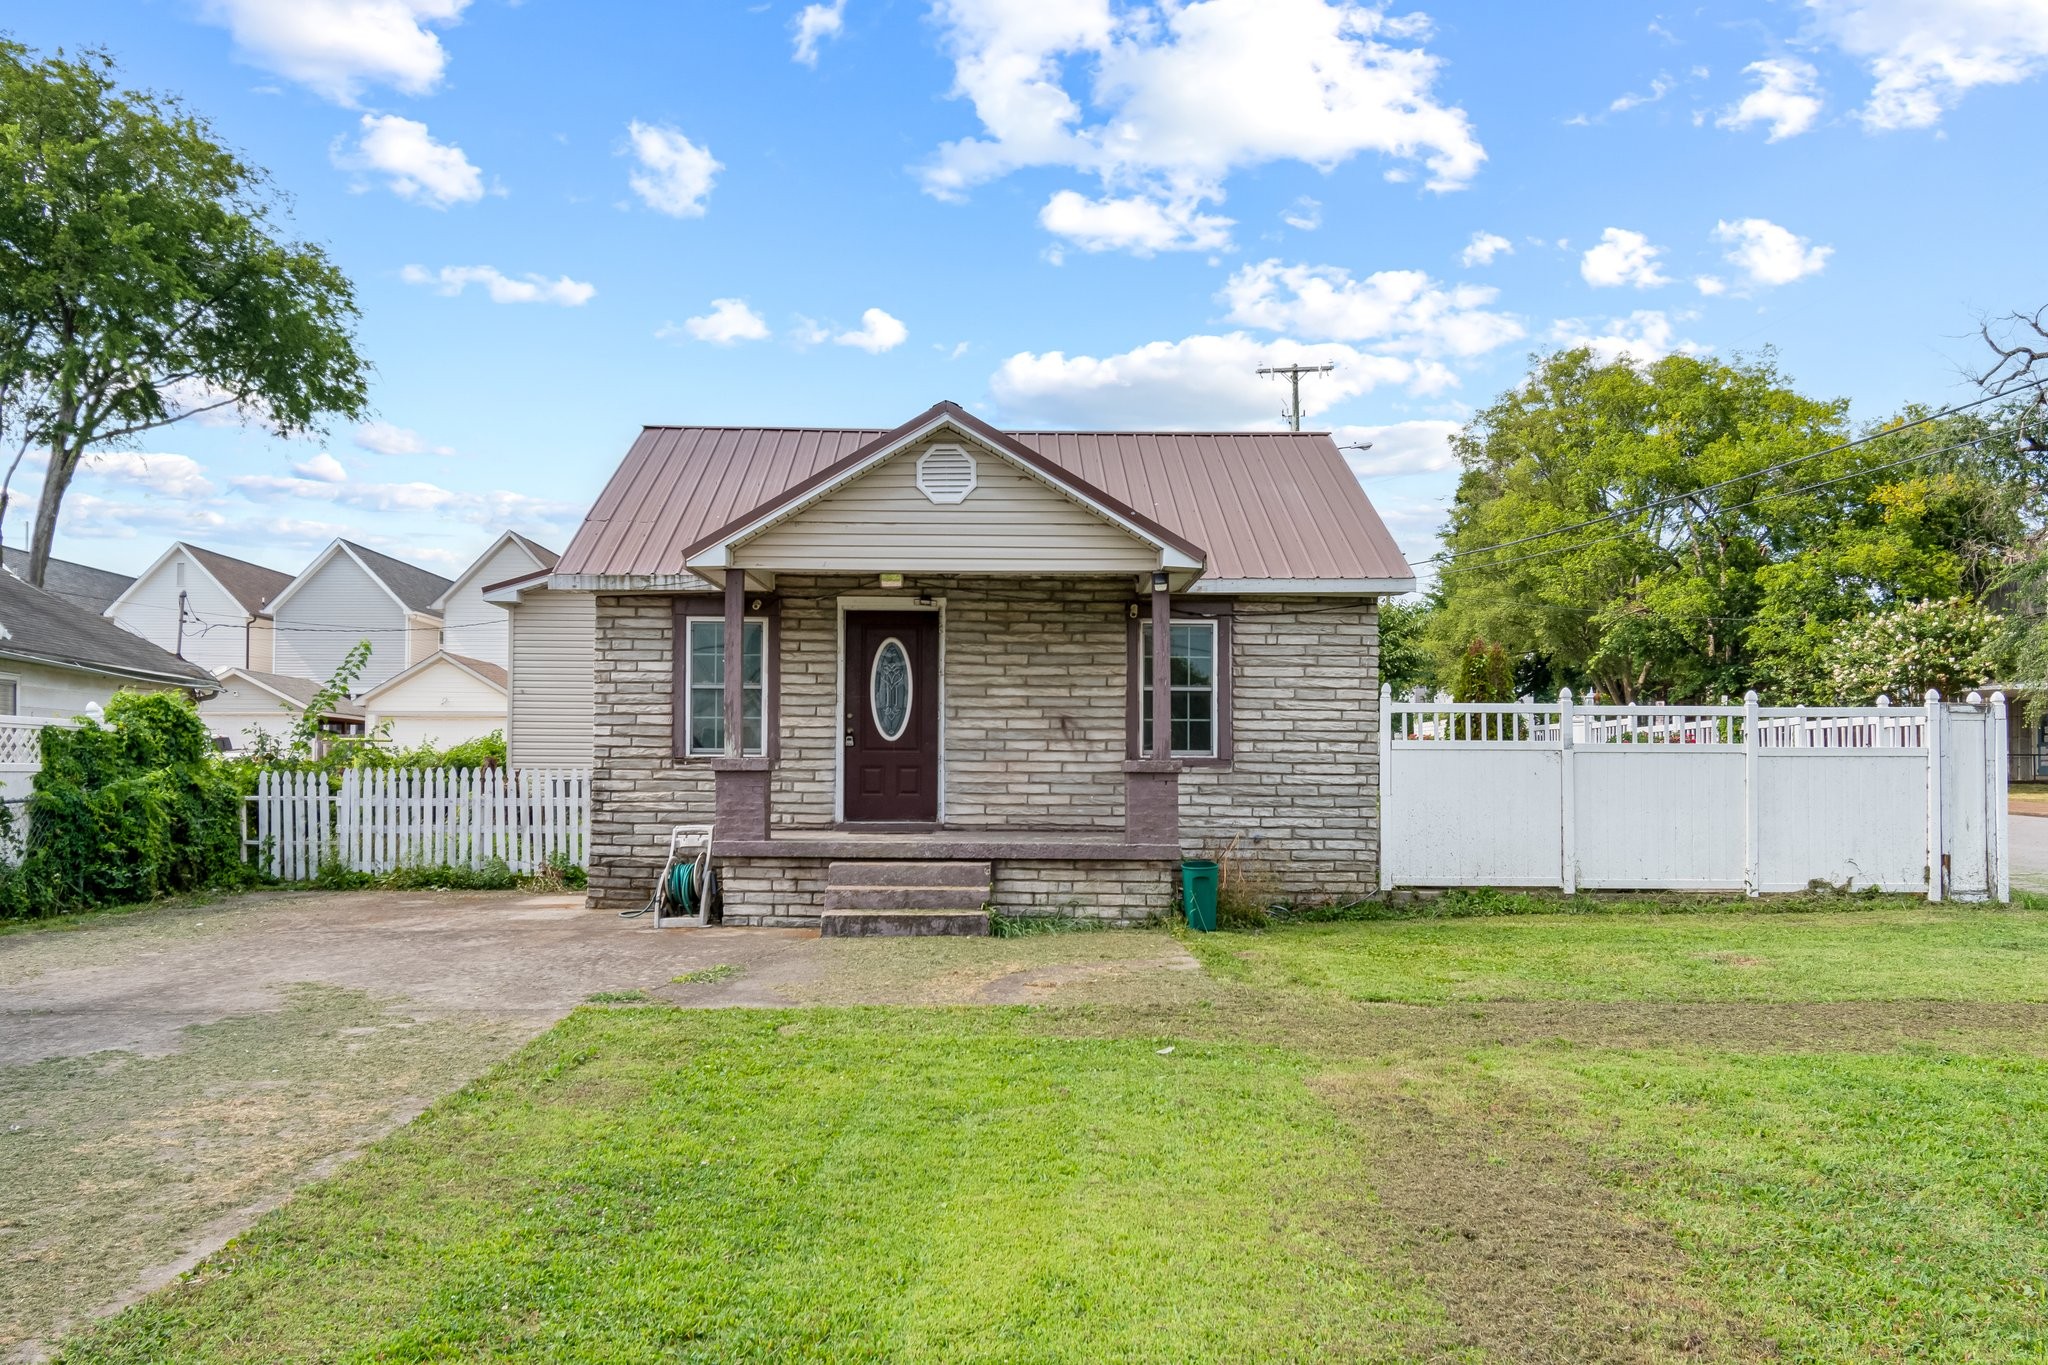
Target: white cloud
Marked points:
1178	97
1643	336
1623	257
1787	97
415	166
453	279
88	515
813	25
169	476
1659	88
675	174
1305	215
493	507
1710	285
1768	254
1420	447
337	47
1405	310
1483	247
322	467
729	320
1927	54
1197	382
384	438
878	332
1134	223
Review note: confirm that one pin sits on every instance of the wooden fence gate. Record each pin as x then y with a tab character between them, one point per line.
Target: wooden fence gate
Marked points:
1737	798
376	819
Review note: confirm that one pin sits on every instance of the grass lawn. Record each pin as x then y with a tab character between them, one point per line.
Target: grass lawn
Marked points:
1790	1136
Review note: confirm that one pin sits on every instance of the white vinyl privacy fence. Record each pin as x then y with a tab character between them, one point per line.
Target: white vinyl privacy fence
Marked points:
380	819
1735	798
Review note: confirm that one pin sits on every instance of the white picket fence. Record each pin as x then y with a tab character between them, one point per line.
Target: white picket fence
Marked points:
1741	798
382	819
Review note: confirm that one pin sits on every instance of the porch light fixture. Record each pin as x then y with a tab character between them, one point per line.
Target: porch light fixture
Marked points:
1159	580
924	599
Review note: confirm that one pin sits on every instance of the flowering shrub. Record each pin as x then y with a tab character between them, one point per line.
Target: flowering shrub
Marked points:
1902	651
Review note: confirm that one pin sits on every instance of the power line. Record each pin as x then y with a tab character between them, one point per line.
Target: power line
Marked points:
1294	374
1447	556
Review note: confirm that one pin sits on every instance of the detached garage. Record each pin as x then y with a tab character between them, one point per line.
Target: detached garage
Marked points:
443	699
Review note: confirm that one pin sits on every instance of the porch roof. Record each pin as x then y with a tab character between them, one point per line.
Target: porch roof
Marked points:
1277	510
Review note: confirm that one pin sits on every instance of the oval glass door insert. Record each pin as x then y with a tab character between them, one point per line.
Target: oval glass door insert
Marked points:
889	689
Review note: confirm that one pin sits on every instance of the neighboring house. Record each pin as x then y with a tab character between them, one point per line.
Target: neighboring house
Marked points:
57	659
473	627
552	642
271	703
939	641
79	584
348	594
203	606
443	699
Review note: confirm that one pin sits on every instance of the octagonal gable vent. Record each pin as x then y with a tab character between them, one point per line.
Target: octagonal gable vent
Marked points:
946	474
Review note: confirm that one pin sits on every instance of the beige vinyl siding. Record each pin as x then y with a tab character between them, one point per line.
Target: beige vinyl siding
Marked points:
241	707
321	621
472	627
216	625
422	639
442	703
1011	522
261	641
553	642
51	690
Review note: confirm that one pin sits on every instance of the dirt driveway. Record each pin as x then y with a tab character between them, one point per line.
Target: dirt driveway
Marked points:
167	1076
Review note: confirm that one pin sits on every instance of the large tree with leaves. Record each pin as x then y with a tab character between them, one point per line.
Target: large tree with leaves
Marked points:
1691	527
143	280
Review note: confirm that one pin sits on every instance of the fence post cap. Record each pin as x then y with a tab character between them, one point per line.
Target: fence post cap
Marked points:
1749	697
1975	698
1933	697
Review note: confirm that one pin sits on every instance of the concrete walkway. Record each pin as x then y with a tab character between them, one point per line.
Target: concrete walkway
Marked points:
2029	851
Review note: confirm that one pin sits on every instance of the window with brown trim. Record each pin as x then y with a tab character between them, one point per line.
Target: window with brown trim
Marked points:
1199	684
698	718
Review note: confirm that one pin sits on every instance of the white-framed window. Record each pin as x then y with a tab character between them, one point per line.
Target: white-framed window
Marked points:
1192	673
705	681
10	696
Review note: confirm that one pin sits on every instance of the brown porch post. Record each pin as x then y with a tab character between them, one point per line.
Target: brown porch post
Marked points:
735	642
1162	670
1152	785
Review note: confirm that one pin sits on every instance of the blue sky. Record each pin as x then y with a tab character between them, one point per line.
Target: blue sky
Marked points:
567	220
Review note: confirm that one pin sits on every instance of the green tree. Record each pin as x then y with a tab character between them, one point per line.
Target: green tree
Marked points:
1405	660
142	280
1484	673
1664	550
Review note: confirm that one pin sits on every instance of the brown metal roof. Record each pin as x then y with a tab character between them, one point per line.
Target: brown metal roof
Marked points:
1261	505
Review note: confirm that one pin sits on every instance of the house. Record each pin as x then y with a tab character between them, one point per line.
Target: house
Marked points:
348	594
443	699
1029	670
79	584
473	627
251	700
204	606
550	646
57	658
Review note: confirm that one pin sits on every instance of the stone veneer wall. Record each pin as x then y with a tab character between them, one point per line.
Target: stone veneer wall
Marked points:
1301	796
636	791
1127	892
1034	688
1035	673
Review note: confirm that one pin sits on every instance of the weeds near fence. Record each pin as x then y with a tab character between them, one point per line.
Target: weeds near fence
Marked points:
1032	926
493	875
1247	893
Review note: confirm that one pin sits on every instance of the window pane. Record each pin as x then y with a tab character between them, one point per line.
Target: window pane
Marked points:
707	720
1194	730
752	652
707	650
1192	671
750	720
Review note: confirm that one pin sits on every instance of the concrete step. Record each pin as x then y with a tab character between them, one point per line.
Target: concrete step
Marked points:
906	897
903	923
909	874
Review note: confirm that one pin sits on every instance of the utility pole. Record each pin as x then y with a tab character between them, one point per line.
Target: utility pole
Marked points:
1294	374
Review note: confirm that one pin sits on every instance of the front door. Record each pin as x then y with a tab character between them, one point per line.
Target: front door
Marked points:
891	729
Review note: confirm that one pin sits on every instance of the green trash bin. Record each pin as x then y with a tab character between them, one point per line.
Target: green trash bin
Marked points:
1198	894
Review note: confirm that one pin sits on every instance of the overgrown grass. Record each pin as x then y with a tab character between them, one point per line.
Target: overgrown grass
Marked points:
859	1184
1030	926
707	976
493	875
